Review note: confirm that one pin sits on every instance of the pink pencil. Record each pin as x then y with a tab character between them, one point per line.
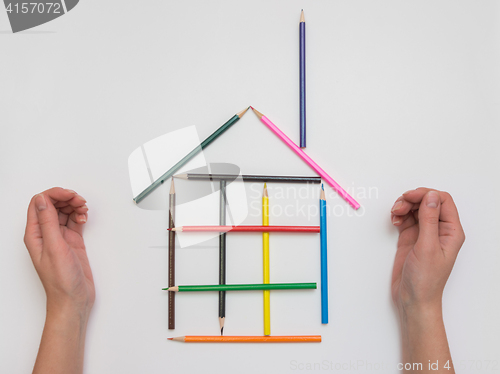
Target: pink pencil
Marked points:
307	159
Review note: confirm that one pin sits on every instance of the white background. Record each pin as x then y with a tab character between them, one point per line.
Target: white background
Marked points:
400	95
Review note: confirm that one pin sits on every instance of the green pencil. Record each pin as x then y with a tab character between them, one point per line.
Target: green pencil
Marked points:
243	287
189	156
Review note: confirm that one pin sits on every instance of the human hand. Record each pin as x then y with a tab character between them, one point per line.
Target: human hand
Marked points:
430	237
54	240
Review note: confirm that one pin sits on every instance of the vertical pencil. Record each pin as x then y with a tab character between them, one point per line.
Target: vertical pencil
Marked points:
324	264
302	78
171	257
265	247
222	256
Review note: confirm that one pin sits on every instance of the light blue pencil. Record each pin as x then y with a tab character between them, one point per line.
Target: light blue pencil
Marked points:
324	263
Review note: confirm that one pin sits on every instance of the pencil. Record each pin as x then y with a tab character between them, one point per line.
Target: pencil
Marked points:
265	256
249	178
248	339
189	156
222	256
171	257
302	78
324	263
306	158
309	229
243	287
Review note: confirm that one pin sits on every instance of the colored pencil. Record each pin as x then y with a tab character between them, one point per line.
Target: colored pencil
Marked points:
222	256
243	287
249	178
302	78
324	262
265	256
247	229
306	158
189	156
171	256
248	339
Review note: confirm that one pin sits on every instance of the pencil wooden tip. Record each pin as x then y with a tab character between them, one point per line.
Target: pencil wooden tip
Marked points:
265	190
172	187
240	114
257	113
181	176
302	19
221	324
173	289
176	228
322	196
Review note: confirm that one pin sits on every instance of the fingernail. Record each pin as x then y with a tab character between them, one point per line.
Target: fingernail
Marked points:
82	218
432	199
397	205
70	190
40	202
395	220
82	199
407	192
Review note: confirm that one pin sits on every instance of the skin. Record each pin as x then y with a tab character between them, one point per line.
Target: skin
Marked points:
54	241
430	237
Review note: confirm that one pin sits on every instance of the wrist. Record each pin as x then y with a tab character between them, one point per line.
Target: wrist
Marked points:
67	311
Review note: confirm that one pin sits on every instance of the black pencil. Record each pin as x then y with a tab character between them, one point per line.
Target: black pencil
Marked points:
171	257
250	178
222	256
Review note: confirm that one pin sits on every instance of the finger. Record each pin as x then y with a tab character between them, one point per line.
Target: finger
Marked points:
59	194
63	218
403	206
428	219
76	222
448	210
74	201
32	234
403	222
48	220
69	209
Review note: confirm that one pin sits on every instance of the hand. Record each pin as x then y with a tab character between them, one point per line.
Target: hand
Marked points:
430	236
54	240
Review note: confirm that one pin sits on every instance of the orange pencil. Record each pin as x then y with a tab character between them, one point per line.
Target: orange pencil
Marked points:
248	339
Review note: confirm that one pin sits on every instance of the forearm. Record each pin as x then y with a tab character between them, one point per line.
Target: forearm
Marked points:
424	341
63	342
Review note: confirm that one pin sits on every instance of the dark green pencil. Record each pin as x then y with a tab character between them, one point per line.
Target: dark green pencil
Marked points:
243	287
189	156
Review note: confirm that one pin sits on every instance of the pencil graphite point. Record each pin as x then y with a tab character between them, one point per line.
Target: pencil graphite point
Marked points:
170	338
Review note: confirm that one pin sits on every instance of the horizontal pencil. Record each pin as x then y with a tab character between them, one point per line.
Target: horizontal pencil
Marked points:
189	156
250	178
243	287
308	160
247	229
248	339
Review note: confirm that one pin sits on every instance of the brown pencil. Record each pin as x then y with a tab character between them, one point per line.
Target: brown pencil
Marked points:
171	256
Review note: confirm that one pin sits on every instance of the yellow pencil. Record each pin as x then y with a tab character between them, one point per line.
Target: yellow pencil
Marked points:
265	246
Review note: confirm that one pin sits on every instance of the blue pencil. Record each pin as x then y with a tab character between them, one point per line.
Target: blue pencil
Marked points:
302	78
324	264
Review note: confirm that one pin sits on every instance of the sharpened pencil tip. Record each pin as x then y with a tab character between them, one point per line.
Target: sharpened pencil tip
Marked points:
257	113
222	331
170	338
240	114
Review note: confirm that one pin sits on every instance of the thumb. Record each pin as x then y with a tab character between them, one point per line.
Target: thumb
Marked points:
48	220
428	219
